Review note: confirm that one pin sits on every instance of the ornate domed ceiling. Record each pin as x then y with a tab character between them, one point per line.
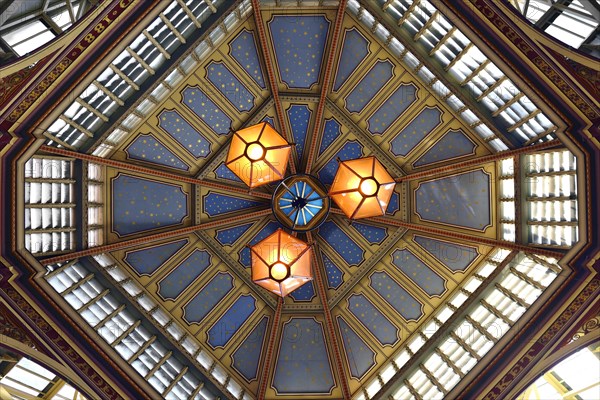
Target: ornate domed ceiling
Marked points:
167	225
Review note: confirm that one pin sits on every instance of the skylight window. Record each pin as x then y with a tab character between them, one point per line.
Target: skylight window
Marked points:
575	377
25	31
28	38
121	327
504	301
552	207
144	55
27	379
49	205
522	121
570	22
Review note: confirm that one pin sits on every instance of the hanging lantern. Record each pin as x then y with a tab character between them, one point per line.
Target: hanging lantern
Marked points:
258	155
281	263
362	188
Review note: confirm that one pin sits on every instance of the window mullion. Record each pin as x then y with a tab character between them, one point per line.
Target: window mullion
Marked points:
93	300
156	44
125	333
433	379
189	13
175	381
159	364
449	362
465	346
109	316
511	295
142	349
170	25
107	92
77	284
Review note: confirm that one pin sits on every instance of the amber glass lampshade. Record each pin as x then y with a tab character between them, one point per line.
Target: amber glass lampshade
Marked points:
281	263
258	155
362	188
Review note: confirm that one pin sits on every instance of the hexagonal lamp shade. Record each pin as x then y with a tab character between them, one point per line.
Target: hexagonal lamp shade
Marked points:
258	155
362	188
281	263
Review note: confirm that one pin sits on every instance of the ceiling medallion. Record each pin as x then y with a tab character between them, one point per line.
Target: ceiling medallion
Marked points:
300	203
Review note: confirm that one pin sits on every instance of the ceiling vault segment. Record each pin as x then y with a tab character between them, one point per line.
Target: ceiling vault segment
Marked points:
383	250
416	359
145	88
326	85
384	157
395	27
268	367
334	338
462	237
136	168
221	153
155	237
240	271
263	48
481	160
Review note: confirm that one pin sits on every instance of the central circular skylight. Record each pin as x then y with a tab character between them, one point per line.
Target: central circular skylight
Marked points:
300	202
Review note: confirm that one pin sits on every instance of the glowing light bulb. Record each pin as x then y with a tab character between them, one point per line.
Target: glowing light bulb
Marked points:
279	271
368	187
255	151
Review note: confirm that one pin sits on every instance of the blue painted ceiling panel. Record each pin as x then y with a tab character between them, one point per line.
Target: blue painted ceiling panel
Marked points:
452	145
206	109
183	132
342	243
391	109
243	50
456	257
146	261
369	86
218	204
332	131
247	356
304	293
373	234
303	364
419	272
373	319
299	42
415	131
172	285
396	296
335	276
230	86
354	50
140	204
228	324
461	200
148	148
299	117
208	297
359	355
229	236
